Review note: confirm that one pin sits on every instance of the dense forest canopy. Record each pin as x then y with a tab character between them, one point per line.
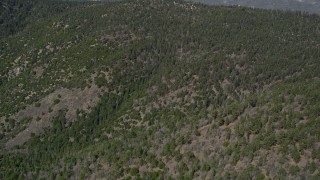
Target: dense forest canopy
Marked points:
16	14
160	89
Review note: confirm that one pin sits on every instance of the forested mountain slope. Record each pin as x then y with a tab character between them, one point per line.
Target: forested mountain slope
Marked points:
161	89
16	14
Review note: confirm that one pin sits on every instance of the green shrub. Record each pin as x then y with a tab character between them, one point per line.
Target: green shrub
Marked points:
205	167
295	154
134	171
38	104
56	101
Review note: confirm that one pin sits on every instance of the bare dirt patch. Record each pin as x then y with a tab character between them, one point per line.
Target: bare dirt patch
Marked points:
46	109
38	71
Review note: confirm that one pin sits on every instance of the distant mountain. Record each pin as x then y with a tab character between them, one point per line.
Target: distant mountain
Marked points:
312	6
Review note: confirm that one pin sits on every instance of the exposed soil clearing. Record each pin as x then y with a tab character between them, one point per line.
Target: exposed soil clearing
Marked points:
45	110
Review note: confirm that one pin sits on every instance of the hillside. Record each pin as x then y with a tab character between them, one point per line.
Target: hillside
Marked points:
161	90
16	14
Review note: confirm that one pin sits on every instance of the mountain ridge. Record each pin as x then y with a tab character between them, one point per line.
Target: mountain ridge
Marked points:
311	6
